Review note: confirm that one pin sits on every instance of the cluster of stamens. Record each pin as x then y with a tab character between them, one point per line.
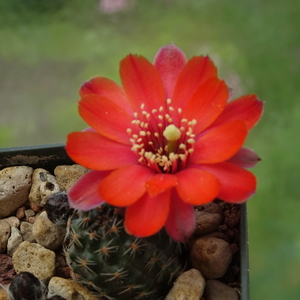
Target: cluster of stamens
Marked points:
158	142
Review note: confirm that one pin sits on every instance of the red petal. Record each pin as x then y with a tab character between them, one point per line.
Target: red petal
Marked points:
197	187
105	117
125	186
108	89
237	184
195	72
181	223
245	158
148	215
96	152
142	82
169	62
160	183
207	103
247	108
84	193
220	143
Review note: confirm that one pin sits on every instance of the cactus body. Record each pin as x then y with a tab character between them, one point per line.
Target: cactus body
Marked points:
119	266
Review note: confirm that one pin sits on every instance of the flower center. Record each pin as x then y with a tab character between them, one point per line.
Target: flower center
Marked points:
162	139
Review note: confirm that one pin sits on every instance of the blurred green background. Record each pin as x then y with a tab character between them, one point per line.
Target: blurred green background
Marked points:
49	47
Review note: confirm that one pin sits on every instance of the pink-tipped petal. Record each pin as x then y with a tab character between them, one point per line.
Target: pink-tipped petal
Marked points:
195	72
142	83
105	117
89	129
220	143
237	184
148	215
169	62
247	108
197	187
181	223
96	152
107	88
245	158
84	193
125	186
207	103
160	183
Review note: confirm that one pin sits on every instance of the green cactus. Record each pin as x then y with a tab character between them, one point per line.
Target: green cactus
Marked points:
116	265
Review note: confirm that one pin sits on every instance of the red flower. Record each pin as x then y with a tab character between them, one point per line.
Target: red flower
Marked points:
165	141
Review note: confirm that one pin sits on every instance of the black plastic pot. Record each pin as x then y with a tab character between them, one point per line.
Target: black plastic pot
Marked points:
52	155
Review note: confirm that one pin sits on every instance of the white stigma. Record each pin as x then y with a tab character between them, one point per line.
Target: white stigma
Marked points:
172	133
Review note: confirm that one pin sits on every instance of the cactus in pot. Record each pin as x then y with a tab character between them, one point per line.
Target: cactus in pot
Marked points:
165	141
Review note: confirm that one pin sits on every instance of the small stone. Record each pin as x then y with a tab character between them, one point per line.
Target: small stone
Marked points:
68	289
62	269
21	212
231	234
217	290
235	269
29	213
223	228
15	183
66	175
218	235
26	232
31	220
211	256
25	286
234	248
188	286
3	295
4	236
14	241
61	260
58	209
64	272
46	233
211	207
34	207
12	221
207	222
7	271
34	258
232	216
43	185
